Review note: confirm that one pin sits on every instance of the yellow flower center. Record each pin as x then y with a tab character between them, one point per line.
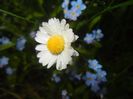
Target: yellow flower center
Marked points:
56	44
65	11
73	13
78	6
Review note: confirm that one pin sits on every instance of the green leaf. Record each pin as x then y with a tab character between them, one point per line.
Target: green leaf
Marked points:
6	46
80	24
97	44
94	21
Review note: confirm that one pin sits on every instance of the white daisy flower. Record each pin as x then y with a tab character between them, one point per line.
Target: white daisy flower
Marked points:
55	38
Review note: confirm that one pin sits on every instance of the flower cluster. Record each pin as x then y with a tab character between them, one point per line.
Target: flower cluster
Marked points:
75	10
3	64
20	45
94	80
96	35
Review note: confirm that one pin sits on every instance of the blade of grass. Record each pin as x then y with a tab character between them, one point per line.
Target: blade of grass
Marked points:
109	8
6	46
14	15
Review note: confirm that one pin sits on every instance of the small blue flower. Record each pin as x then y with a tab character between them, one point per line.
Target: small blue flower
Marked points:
21	43
79	5
89	38
101	75
3	61
93	64
4	40
74	12
92	82
95	79
90	79
56	78
98	34
9	71
66	13
64	94
65	4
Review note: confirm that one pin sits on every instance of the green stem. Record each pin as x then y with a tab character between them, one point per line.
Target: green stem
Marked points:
12	14
111	8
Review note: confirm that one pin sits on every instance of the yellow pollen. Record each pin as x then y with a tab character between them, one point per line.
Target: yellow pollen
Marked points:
65	11
73	13
56	44
78	6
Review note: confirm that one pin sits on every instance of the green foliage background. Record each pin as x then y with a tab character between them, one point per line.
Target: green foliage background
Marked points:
115	52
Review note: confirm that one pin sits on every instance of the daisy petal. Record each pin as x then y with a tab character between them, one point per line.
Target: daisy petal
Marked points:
41	47
41	38
52	61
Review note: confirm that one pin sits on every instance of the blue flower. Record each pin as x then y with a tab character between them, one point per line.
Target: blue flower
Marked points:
90	79
74	12
4	40
79	5
64	94
89	38
66	13
3	61
20	43
98	34
93	64
56	78
9	71
101	75
93	80
65	4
